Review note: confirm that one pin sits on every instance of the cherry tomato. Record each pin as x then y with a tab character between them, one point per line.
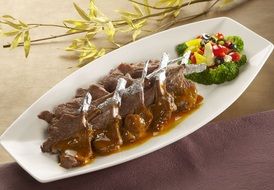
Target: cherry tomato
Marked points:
235	56
192	59
220	36
219	50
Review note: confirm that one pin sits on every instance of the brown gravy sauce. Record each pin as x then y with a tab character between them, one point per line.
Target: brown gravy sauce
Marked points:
176	119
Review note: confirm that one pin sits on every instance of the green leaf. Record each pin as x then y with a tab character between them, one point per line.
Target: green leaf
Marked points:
177	12
101	20
8	16
81	12
140	24
72	47
138	9
10	33
14	25
93	11
110	31
147	9
78	24
70	31
88	56
129	21
101	53
23	24
90	35
16	40
26	43
135	34
74	22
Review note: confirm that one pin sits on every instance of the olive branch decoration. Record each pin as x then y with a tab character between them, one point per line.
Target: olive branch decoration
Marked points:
93	22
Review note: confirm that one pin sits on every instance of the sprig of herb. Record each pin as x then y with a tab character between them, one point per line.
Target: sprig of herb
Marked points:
94	22
18	30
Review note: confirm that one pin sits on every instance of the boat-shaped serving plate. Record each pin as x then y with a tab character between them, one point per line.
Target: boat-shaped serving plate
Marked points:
23	138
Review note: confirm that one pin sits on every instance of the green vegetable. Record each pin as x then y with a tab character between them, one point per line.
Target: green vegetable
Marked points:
180	49
242	61
222	73
237	41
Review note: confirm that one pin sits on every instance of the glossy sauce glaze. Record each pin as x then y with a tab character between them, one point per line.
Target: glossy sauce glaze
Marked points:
82	149
175	120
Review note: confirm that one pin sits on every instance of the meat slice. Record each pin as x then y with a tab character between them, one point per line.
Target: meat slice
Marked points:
96	91
107	124
164	103
184	91
137	116
107	133
71	133
129	72
71	108
136	125
110	81
47	116
80	92
135	69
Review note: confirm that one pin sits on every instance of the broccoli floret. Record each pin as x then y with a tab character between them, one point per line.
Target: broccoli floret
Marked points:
180	49
222	73
242	61
237	41
218	75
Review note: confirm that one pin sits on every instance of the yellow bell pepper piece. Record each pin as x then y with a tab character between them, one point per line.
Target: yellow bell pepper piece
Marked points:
192	49
195	42
199	58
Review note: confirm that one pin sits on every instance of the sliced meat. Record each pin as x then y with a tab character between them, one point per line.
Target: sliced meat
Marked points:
107	131
163	105
109	139
47	116
184	91
97	91
71	133
130	103
137	116
80	92
76	151
71	107
135	69
110	82
149	92
162	109
136	125
107	124
63	128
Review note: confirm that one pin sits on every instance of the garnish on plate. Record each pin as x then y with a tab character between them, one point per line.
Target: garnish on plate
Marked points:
222	55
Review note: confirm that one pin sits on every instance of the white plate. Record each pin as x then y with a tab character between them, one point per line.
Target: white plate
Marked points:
24	137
